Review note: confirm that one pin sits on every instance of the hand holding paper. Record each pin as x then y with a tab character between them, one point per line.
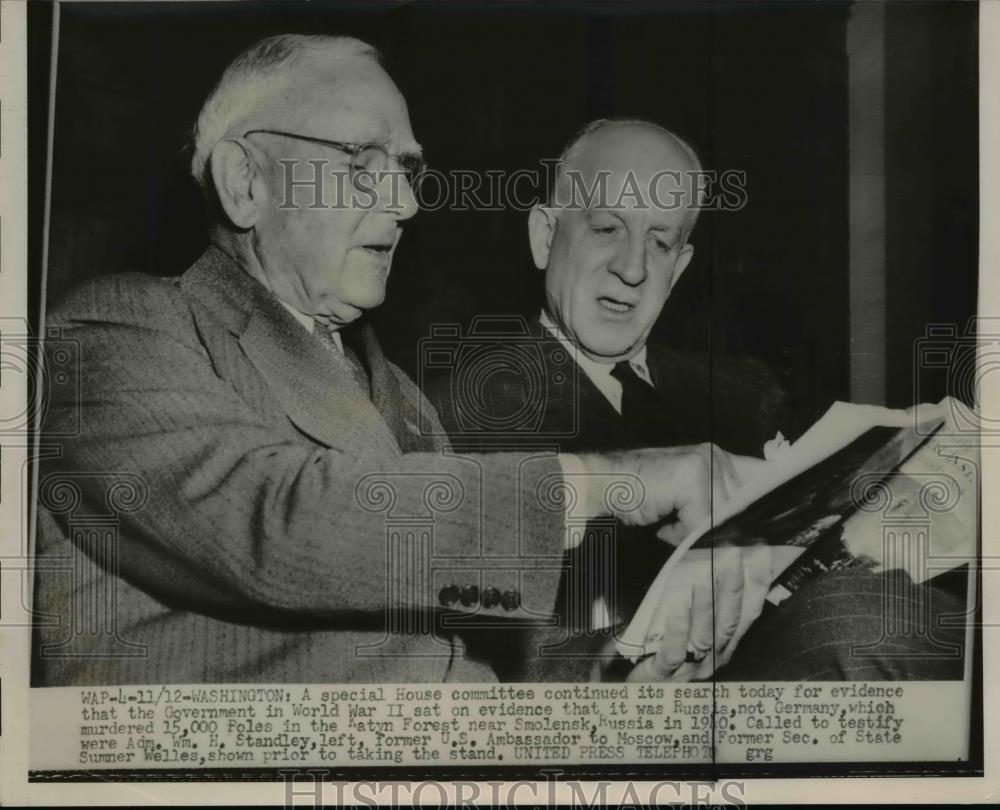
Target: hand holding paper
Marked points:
714	598
809	488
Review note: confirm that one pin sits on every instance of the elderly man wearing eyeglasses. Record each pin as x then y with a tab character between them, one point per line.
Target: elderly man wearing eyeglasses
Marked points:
292	513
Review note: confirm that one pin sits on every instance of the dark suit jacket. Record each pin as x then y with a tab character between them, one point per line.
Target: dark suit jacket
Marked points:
221	502
528	392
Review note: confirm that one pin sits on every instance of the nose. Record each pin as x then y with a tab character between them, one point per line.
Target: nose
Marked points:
398	196
629	264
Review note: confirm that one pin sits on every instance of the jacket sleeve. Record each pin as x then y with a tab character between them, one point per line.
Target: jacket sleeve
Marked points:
237	511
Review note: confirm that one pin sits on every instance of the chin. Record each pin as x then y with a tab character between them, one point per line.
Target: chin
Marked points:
605	351
375	301
368	298
610	347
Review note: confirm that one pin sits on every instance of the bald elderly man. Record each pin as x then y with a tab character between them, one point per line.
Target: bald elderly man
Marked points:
255	493
613	242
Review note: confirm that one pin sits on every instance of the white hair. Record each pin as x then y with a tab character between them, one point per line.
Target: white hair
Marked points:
260	73
575	145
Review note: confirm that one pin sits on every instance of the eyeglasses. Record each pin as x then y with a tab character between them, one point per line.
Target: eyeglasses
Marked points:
367	159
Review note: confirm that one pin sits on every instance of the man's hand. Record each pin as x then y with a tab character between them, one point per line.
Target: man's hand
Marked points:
710	600
681	484
712	597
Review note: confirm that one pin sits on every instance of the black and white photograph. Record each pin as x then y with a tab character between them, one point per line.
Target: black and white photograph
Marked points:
451	390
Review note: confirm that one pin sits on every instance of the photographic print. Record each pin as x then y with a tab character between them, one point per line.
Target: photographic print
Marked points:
447	390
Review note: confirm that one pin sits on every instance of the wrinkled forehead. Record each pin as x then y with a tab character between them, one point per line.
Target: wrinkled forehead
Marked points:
346	99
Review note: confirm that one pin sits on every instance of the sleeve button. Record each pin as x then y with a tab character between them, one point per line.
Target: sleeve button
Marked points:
470	595
511	600
491	598
448	595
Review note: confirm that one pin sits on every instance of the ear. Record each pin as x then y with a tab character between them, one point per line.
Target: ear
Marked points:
541	228
238	182
683	260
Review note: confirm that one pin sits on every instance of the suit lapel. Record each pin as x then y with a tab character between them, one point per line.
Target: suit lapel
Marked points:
576	411
598	426
317	394
596	419
683	385
727	400
386	392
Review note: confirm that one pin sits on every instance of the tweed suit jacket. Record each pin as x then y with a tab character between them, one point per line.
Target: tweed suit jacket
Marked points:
221	502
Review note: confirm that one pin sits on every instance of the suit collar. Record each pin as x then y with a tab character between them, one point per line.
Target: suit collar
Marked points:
317	393
218	282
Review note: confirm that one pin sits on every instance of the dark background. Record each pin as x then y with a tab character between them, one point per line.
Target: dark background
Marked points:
760	87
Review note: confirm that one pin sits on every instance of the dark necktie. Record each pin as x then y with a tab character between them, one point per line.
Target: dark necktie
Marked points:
347	357
642	407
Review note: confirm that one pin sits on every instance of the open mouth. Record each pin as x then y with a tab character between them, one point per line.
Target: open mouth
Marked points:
381	249
615	305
